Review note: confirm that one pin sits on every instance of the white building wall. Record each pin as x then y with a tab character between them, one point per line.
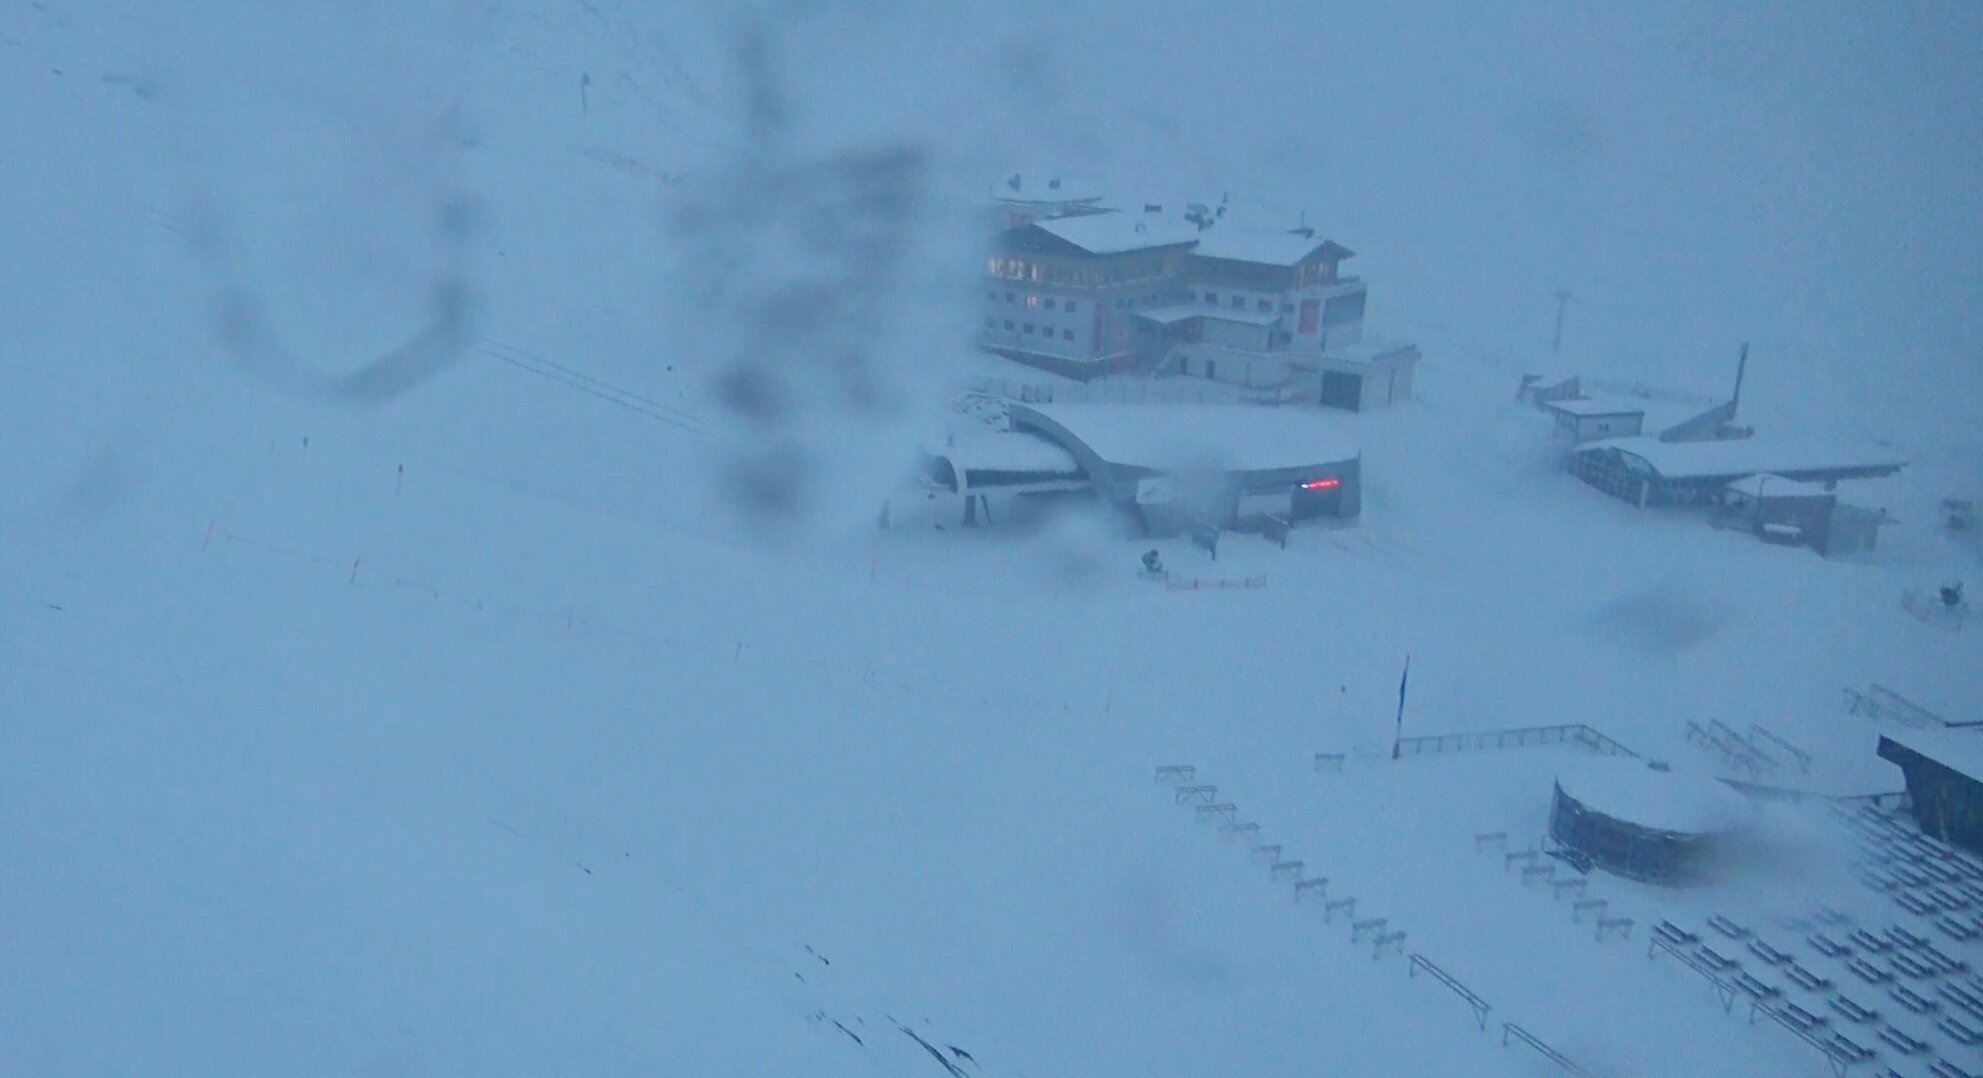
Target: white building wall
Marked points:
1060	324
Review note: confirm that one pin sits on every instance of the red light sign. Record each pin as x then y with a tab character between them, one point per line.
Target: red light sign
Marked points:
1322	484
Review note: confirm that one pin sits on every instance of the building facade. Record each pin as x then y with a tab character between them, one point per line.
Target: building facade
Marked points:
1114	292
1061	294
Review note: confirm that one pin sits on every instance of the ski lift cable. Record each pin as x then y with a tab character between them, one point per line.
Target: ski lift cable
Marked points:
587	384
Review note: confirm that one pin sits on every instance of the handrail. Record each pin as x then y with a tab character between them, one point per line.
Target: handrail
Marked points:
1518	737
1880	702
1479	1005
1723	990
1510	1029
1729	736
1838	1058
1803	758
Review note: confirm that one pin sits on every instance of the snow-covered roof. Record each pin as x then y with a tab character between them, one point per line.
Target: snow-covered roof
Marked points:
1657	415
1630	791
1368	350
1016	452
1197	437
1119	233
1748	456
1266	248
1549	379
1178	312
1957	750
1776	486
1596	406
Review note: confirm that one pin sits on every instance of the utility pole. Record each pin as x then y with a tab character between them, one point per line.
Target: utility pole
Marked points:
1562	304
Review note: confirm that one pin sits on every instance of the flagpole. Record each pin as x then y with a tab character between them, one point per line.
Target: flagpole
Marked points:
1397	738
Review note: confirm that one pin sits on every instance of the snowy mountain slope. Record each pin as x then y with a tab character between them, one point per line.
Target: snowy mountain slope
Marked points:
518	761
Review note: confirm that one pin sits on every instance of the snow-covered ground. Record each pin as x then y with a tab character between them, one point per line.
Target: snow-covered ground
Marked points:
451	725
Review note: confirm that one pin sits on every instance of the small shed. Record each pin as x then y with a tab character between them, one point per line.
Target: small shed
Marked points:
1587	419
1669	419
1540	389
1365	375
1944	773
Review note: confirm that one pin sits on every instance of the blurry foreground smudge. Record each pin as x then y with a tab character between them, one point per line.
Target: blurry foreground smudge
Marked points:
106	481
240	323
795	265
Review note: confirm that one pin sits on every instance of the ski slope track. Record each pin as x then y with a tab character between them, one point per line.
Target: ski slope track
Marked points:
443	630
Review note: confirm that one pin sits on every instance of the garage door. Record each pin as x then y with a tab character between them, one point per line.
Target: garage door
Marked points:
1341	390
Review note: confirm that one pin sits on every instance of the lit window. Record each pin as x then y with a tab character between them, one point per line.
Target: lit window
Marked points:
1032	303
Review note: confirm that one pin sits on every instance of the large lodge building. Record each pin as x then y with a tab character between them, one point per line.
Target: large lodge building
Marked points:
1085	291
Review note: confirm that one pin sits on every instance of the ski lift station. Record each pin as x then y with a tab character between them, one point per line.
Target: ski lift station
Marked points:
1944	770
1173	468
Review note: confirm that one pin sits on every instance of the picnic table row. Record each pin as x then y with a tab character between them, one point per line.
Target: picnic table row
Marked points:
1954	1006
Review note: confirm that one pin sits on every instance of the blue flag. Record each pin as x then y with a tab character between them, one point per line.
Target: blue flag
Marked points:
1398	737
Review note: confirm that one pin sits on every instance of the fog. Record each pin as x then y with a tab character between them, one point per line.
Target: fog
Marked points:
447	631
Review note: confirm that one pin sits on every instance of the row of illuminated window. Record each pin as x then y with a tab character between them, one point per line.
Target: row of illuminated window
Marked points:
1018	269
1034	301
1030	329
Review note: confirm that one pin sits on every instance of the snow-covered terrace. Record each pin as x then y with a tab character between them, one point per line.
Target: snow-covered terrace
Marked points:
1178	312
1119	233
1262	247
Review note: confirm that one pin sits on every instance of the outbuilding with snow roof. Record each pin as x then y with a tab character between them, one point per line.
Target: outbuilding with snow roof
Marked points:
1648	471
